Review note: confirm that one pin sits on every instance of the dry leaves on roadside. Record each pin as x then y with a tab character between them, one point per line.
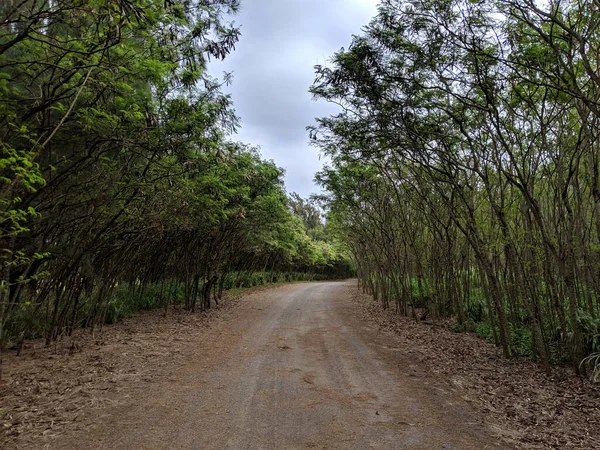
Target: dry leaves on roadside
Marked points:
559	410
48	391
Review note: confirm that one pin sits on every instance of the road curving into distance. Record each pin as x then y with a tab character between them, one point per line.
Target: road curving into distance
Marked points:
294	367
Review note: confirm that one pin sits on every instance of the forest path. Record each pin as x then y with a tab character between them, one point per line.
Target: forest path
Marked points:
293	367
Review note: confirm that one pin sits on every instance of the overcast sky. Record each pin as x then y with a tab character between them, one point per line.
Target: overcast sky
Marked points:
273	66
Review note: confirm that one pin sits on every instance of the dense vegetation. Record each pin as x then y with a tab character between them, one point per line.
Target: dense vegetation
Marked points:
119	187
465	164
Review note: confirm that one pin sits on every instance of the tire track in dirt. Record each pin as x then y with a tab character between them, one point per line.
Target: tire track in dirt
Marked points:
293	367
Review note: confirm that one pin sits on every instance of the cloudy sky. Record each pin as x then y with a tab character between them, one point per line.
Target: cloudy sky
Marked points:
273	67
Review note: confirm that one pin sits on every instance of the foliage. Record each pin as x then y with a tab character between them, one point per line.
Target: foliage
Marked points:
120	187
464	165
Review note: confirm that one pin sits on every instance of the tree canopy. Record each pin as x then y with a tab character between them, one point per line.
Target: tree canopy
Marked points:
118	171
464	167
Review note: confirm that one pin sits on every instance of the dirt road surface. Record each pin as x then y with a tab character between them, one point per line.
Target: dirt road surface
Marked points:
293	368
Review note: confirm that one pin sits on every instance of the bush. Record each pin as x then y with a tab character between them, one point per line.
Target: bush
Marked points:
485	331
521	341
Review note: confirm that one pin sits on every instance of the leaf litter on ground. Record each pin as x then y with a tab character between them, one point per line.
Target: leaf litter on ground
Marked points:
50	391
558	410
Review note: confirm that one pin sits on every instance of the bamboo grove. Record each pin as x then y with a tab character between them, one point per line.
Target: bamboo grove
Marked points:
464	167
119	186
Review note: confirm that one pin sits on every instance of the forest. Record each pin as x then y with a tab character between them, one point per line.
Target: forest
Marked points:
464	168
462	177
152	260
121	186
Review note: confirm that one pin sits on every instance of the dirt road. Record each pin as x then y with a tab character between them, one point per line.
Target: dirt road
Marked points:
293	368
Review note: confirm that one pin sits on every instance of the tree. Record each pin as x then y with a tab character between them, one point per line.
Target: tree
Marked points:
468	124
118	174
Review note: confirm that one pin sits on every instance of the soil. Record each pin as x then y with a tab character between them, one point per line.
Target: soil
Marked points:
557	410
298	366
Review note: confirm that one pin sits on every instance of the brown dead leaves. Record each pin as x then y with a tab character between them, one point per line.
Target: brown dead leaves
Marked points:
558	410
64	388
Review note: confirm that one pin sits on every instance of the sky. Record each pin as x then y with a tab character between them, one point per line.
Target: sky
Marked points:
273	67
